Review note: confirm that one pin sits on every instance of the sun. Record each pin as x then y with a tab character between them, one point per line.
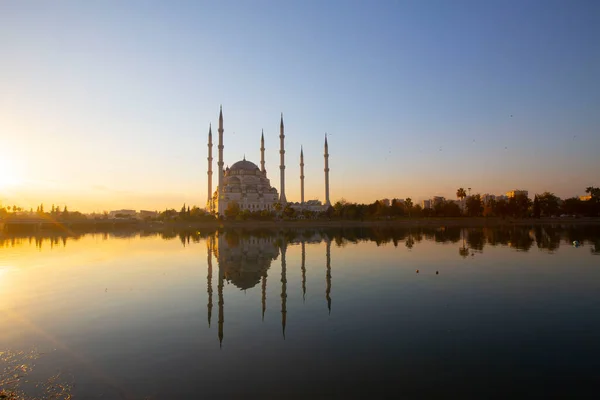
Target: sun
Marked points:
8	173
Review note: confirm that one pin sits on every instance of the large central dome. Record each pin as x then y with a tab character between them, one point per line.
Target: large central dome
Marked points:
245	165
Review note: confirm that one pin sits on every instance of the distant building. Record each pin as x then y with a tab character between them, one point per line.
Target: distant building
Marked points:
462	204
311	205
486	198
426	204
122	213
437	200
517	192
143	214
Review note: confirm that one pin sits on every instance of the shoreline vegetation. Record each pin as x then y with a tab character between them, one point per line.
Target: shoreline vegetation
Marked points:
469	211
101	225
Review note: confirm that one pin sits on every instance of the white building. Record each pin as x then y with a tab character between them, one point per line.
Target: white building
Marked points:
247	184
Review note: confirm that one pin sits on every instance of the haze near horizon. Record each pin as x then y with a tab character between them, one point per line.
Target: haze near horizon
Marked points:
107	104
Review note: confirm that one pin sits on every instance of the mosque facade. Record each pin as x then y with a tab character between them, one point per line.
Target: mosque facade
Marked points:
248	185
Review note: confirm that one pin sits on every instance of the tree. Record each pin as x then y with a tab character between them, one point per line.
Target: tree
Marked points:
548	203
408	204
474	205
593	206
277	207
593	191
288	211
537	211
339	208
572	206
65	213
461	193
232	210
518	206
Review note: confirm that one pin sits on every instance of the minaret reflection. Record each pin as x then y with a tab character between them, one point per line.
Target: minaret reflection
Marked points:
264	295
244	261
221	304
283	287
328	275
303	269
209	290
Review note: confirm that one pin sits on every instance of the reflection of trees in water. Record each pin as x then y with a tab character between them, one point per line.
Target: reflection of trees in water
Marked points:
520	238
547	237
447	234
475	238
410	242
595	249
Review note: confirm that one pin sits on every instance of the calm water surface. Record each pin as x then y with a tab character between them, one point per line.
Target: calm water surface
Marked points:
314	314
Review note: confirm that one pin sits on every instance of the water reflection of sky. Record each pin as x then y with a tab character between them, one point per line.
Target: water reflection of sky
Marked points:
130	315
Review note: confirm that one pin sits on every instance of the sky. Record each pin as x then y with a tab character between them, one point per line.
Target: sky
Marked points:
106	104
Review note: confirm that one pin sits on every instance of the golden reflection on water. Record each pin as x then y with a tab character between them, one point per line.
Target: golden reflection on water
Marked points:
59	286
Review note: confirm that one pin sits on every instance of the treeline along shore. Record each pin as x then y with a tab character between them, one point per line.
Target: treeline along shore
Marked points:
523	236
107	225
546	208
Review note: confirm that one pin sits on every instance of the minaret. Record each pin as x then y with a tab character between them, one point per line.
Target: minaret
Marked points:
327	202
303	269
262	152
210	158
301	178
328	274
209	289
220	162
282	199
283	287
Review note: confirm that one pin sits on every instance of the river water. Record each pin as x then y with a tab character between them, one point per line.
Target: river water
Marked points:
354	313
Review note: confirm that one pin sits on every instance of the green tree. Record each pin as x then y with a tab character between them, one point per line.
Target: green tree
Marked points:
232	210
549	204
408	204
594	192
339	208
537	211
573	206
288	211
474	205
518	206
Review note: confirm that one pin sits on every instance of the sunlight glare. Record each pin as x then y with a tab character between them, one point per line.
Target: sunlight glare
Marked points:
8	173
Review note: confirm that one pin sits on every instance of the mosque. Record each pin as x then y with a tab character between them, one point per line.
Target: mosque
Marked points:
248	185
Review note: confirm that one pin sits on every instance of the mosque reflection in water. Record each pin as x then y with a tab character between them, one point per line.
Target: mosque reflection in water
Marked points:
245	261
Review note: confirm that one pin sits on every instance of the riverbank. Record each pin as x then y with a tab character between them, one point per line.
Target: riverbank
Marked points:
404	222
109	225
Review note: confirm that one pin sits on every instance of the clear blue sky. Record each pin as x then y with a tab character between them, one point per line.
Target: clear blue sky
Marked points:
106	104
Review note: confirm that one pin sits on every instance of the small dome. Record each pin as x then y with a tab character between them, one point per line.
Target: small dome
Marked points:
245	165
